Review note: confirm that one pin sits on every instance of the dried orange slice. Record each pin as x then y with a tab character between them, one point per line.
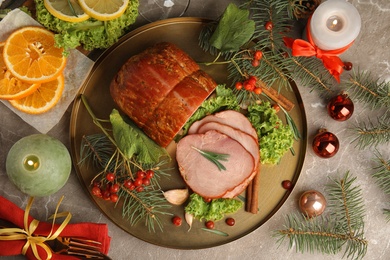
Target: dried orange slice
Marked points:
43	99
30	55
11	87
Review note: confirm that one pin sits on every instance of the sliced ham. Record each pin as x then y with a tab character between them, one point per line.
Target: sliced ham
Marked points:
228	117
203	176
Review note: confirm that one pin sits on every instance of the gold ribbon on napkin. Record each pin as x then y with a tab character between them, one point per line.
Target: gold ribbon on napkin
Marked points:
27	233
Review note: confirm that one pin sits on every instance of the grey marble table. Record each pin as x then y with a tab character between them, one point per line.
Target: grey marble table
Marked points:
371	52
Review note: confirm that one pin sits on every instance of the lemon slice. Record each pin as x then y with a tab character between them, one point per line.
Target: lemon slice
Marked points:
104	10
67	10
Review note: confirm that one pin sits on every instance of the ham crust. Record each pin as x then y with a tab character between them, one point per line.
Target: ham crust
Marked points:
159	89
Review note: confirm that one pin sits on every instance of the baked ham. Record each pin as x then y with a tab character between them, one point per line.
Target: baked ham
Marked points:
202	175
159	89
232	125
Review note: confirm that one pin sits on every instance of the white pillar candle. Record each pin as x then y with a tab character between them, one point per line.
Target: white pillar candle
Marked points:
334	24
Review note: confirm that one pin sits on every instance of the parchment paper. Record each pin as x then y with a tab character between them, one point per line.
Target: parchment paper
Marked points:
77	69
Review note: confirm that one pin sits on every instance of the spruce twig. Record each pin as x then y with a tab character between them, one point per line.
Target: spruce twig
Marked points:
372	134
382	177
364	88
344	226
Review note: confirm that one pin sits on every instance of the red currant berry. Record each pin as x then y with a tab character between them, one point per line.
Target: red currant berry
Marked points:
258	55
286	184
114	197
255	63
348	65
276	107
149	174
140	188
248	86
140	174
269	25
137	182
258	91
252	80
106	195
96	191
97	184
176	220
230	221
110	176
238	85
115	188
127	183
146	181
207	200
209	224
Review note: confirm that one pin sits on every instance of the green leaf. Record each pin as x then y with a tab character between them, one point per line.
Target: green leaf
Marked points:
233	30
133	142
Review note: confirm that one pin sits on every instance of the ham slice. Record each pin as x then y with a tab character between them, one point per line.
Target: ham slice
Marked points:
228	117
159	89
203	176
247	141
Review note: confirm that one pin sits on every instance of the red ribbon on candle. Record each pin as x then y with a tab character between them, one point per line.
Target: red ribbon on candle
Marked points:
329	58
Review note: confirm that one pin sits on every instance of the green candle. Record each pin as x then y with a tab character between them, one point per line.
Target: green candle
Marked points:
39	165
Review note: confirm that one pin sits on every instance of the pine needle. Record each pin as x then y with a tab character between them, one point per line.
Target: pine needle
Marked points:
382	177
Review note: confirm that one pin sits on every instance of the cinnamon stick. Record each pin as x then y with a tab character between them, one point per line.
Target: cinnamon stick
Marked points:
252	194
276	96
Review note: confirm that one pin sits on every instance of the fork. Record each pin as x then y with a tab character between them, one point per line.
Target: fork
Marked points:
88	249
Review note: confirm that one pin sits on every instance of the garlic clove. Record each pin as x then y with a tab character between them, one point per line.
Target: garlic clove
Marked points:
176	196
189	218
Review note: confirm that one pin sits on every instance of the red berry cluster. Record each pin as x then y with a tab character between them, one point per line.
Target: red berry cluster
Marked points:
256	58
249	85
109	188
142	180
109	191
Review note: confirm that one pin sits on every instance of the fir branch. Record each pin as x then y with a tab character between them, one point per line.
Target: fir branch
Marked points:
346	203
372	134
362	87
382	177
344	227
382	173
144	205
275	12
311	73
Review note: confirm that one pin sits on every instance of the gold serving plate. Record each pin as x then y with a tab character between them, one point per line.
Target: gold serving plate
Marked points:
183	32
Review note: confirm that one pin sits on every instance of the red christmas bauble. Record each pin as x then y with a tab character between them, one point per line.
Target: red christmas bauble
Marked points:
340	107
325	144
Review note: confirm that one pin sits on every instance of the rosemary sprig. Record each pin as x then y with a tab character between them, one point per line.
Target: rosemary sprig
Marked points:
214	157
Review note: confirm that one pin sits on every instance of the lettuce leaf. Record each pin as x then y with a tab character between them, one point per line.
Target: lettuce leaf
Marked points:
214	210
275	138
133	142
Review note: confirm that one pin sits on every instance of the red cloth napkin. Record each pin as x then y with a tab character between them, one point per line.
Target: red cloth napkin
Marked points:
12	213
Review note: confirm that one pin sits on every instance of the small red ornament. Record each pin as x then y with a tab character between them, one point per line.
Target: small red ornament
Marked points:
325	144
340	107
